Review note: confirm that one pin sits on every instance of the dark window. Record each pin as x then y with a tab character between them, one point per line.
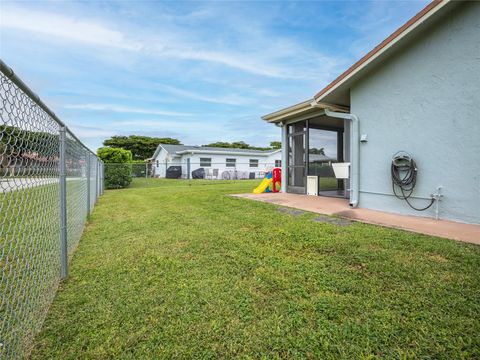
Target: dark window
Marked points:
231	162
278	163
253	163
158	163
205	162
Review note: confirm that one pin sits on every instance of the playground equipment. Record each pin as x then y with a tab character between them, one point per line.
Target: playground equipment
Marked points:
271	182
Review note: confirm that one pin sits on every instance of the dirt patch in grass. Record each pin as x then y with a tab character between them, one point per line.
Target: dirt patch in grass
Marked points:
290	211
439	258
332	220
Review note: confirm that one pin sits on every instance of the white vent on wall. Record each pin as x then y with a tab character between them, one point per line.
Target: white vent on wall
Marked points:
312	185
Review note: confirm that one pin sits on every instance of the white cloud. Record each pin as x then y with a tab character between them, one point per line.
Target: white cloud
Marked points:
64	27
124	109
197	126
170	42
92	132
225	99
237	61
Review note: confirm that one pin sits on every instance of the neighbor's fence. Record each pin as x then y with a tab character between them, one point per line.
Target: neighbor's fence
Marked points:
124	173
49	184
240	169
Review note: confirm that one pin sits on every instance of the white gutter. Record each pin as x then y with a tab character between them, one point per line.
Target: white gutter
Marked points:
354	150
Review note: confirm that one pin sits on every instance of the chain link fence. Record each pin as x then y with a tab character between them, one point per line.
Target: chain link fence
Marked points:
121	175
125	175
49	184
241	169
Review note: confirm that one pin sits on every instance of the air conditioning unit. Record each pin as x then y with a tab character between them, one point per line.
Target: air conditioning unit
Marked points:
312	185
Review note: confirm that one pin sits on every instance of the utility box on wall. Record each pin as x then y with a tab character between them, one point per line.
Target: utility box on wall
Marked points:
312	185
341	170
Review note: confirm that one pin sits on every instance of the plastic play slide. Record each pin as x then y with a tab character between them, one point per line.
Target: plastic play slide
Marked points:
272	178
264	185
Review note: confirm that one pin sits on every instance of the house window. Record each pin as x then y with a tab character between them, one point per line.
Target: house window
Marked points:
278	163
231	162
253	163
205	162
158	163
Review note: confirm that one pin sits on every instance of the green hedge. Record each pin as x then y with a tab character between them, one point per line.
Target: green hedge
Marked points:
118	167
118	176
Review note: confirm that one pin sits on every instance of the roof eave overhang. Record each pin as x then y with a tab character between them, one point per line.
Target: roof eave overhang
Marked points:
279	115
157	151
302	111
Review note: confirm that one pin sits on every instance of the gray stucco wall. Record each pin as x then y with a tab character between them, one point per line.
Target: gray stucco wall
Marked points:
426	100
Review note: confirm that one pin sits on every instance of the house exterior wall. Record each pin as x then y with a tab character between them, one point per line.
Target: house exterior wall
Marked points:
162	161
273	159
242	163
218	161
158	166
426	100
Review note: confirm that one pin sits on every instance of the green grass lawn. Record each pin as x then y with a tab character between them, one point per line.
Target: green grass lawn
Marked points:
177	269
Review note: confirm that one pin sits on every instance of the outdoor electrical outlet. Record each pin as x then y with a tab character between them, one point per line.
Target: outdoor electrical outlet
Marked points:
437	195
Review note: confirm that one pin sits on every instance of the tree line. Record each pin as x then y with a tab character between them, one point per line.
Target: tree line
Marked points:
143	147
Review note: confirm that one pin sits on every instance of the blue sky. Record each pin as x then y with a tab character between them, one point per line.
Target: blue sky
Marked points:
197	71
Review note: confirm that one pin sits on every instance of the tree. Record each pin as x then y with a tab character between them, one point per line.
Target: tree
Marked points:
276	145
222	144
241	145
142	147
118	167
236	145
320	151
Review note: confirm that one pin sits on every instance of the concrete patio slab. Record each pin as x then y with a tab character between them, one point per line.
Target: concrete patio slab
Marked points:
339	207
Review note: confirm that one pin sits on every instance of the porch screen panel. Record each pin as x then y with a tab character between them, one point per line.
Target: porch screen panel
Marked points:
297	155
322	151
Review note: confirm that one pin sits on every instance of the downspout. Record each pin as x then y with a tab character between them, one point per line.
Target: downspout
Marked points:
354	151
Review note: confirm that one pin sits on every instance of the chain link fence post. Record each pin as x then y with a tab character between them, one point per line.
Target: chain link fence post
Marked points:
103	178
96	180
63	205
88	183
102	186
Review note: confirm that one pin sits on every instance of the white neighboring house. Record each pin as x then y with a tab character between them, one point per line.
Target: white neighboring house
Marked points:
244	163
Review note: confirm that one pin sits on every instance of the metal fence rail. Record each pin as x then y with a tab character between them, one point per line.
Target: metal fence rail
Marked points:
49	183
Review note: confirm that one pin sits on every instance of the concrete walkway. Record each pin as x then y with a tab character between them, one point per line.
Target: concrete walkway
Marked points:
339	207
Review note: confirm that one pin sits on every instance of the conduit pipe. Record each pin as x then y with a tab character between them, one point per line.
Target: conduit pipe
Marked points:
354	150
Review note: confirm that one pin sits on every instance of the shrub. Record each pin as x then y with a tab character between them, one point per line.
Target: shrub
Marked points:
118	167
114	155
